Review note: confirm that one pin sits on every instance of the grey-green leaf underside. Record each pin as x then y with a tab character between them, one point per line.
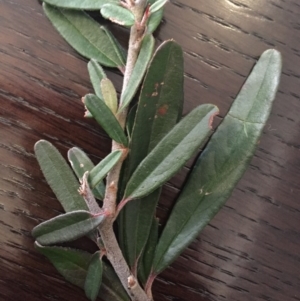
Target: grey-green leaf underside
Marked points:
84	35
59	176
80	4
66	227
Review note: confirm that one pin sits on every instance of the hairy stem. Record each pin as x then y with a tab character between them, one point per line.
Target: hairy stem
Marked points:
135	41
119	264
114	254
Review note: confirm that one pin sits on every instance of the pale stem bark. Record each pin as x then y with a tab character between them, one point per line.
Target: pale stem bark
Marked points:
114	254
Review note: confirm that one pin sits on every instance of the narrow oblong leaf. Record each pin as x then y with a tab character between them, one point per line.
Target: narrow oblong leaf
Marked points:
66	227
134	226
223	161
93	279
59	176
73	265
81	163
130	121
172	152
98	173
105	118
160	103
117	14
157	5
109	94
97	74
84	35
138	71
80	4
155	18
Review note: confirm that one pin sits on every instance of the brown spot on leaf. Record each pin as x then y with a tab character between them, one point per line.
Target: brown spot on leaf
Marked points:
162	110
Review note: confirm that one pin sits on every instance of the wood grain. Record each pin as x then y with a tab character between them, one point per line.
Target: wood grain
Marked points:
251	250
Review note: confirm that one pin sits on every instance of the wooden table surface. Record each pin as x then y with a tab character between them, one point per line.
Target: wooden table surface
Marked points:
251	249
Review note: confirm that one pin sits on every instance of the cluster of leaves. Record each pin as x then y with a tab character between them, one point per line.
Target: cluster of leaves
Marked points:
159	143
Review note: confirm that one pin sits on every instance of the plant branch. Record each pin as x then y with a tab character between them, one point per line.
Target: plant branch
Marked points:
114	254
135	41
119	264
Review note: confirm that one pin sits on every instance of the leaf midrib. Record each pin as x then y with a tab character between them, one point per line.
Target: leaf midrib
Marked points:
200	202
257	94
75	198
178	143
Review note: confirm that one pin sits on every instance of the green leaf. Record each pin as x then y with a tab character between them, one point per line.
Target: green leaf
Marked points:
155	20
80	4
145	264
66	227
70	263
160	104
130	120
138	71
104	116
171	153
81	163
157	5
94	277
59	176
97	74
118	14
223	161
134	226
120	51
109	94
84	35
98	173
73	265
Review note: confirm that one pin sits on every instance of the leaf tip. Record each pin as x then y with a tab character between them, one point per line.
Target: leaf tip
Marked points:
273	55
273	52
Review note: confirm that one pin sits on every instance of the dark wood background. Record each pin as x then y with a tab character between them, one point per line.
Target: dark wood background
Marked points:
251	250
